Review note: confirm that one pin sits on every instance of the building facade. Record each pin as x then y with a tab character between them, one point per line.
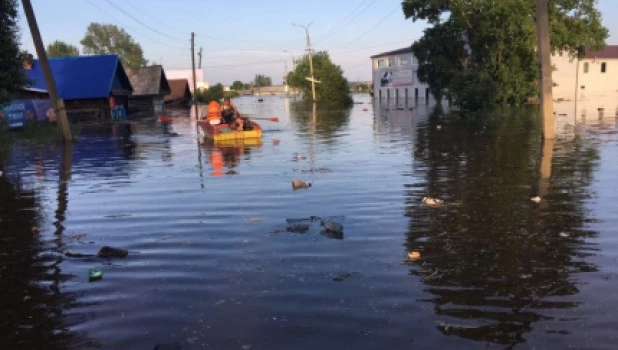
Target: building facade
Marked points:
594	75
394	78
585	90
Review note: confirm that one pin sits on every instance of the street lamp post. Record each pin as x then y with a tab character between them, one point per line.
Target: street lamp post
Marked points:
293	61
311	78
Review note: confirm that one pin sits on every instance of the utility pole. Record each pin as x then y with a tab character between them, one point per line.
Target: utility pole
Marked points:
311	78
547	104
199	64
197	117
58	103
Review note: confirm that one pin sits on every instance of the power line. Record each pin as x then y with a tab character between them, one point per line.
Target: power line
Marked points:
350	20
141	10
245	64
133	29
372	28
140	22
343	20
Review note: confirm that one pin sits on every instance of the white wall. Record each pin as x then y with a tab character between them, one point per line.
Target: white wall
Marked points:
570	76
403	78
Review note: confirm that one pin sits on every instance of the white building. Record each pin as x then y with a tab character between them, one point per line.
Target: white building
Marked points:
395	79
586	89
187	73
595	75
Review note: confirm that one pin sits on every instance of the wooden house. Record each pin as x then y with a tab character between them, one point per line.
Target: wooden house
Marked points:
150	85
180	94
94	88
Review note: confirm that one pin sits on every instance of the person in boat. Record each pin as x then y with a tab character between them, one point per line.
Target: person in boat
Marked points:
228	110
213	113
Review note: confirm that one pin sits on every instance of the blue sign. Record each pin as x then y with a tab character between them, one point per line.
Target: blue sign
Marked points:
21	112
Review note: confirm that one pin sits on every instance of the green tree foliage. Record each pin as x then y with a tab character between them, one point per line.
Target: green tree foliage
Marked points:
61	49
103	39
333	87
12	77
484	52
262	80
214	93
237	85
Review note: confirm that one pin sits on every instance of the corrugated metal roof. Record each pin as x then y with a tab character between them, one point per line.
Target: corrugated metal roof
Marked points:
82	77
610	51
391	53
148	80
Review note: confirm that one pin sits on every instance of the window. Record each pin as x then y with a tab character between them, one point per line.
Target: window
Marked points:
603	67
381	63
404	61
390	62
586	67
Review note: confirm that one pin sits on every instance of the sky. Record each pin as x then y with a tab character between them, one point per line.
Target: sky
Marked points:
242	38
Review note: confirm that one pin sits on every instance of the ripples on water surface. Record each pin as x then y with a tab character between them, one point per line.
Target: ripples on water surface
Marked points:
212	265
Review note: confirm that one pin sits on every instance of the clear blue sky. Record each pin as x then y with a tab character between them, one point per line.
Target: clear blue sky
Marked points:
242	38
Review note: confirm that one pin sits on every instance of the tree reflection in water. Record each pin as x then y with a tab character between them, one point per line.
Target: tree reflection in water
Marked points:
492	259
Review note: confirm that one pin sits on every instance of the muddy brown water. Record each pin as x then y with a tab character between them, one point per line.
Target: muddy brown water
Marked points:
213	262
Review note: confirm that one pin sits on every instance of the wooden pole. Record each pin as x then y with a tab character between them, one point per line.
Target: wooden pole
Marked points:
547	104
61	113
197	117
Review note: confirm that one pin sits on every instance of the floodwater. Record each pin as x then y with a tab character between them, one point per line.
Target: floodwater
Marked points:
224	254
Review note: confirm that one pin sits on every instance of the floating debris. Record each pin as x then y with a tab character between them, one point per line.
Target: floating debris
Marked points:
300	225
111	252
298	156
332	223
536	199
432	202
71	254
414	255
95	274
299	184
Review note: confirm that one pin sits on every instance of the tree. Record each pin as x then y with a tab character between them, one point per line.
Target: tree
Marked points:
333	87
214	93
484	52
61	49
262	80
103	39
12	77
237	85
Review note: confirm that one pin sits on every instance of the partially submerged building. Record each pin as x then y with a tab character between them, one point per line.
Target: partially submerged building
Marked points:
586	89
394	77
180	94
150	85
94	88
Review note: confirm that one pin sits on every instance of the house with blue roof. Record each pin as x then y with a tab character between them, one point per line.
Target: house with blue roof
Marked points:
94	88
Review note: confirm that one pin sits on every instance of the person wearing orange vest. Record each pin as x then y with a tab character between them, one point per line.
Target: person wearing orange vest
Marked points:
213	113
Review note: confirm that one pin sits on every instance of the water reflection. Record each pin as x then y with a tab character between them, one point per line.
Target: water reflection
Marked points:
326	122
225	157
493	261
33	303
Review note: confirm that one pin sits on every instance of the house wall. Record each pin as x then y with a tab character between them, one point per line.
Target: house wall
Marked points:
571	78
395	80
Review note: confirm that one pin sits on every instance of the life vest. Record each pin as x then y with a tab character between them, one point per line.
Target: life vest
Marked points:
213	111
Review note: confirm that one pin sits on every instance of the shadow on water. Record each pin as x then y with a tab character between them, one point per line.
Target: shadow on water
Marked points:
34	307
493	261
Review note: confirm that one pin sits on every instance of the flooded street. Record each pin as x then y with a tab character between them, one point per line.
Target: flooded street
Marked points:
225	254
